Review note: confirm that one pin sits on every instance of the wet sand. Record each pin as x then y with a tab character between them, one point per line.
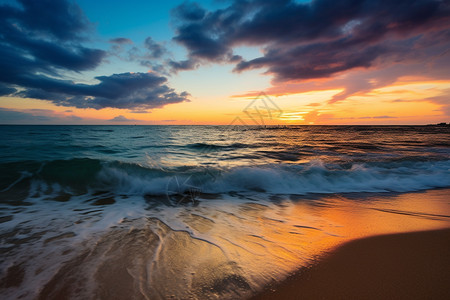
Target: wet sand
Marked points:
226	249
412	265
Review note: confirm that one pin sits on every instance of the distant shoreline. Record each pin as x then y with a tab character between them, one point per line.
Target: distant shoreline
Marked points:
413	265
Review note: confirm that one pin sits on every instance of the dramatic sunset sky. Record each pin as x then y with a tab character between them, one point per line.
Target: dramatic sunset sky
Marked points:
174	62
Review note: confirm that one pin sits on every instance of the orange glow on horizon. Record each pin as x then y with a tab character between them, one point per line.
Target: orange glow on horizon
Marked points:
403	102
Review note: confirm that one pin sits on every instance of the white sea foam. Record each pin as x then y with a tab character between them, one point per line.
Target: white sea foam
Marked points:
314	177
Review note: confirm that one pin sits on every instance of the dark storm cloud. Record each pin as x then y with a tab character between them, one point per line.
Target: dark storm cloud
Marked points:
42	40
126	90
63	19
5	90
310	40
43	37
189	11
39	39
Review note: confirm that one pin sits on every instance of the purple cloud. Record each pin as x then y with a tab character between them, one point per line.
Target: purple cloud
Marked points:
312	40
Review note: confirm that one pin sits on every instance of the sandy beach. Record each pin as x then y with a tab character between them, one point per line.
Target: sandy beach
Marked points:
412	265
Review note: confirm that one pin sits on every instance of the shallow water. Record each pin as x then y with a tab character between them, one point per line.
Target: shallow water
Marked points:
118	212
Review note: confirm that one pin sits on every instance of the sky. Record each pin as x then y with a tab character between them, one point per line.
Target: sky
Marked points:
224	62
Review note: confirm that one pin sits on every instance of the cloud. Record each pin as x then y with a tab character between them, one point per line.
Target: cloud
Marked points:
121	118
5	90
384	117
443	100
12	117
45	40
118	46
63	20
121	41
140	112
183	65
320	117
156	50
35	116
138	91
318	39
39	46
375	117
189	11
363	82
37	40
151	54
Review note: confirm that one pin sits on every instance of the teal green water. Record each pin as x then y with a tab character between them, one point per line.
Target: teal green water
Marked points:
296	160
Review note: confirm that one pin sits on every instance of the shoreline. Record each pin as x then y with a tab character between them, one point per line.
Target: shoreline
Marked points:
412	265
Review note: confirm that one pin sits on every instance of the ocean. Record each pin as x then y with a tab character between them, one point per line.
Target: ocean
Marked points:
203	212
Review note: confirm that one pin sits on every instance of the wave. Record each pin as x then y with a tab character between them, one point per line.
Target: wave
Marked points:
82	174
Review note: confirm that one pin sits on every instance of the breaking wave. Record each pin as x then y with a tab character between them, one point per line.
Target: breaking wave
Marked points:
83	174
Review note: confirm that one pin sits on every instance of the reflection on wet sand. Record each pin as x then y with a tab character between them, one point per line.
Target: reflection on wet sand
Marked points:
223	249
